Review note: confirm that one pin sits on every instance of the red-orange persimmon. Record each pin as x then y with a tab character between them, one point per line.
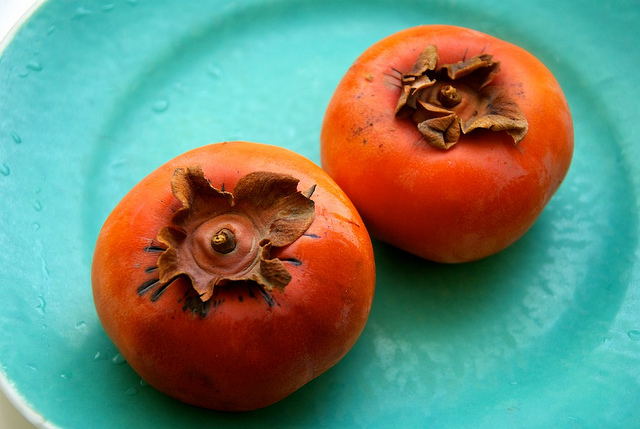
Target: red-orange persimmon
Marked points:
234	274
450	142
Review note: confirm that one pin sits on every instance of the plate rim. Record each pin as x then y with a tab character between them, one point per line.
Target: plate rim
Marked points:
7	38
21	405
8	388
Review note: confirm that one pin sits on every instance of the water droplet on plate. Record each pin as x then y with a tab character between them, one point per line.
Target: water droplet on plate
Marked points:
35	226
634	335
44	268
81	12
34	65
131	391
118	359
39	248
100	356
33	367
42	304
37	205
4	169
160	105
81	325
143	383
214	71
108	7
16	137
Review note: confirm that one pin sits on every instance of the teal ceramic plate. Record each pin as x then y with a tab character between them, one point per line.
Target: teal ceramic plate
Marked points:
96	94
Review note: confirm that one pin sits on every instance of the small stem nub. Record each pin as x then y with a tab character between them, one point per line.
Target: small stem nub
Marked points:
223	241
448	96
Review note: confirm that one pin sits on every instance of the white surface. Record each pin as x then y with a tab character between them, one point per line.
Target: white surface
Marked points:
10	418
11	12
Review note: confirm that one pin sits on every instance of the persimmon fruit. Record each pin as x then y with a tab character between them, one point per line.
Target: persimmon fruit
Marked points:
233	274
449	141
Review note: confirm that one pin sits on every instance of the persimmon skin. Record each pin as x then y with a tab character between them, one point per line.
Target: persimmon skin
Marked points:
455	205
245	353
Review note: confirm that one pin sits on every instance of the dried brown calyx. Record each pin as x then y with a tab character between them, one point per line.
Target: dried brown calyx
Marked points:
218	237
445	100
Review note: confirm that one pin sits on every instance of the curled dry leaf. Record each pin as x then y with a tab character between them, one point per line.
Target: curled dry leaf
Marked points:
218	236
445	101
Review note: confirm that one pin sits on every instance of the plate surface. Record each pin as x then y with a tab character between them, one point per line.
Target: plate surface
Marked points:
96	94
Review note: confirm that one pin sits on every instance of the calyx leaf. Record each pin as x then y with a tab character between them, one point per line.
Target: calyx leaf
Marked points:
448	100
218	236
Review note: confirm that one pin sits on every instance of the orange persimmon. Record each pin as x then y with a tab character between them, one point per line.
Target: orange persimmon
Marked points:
233	274
449	142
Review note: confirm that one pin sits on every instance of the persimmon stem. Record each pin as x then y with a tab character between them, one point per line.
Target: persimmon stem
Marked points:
449	96
223	241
